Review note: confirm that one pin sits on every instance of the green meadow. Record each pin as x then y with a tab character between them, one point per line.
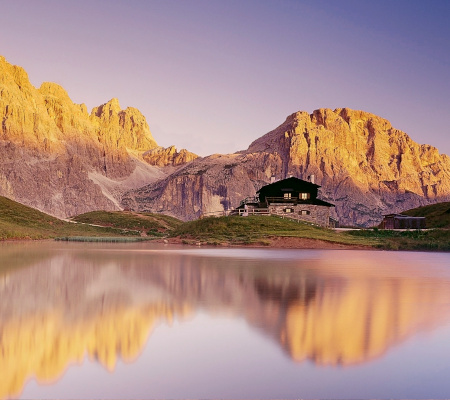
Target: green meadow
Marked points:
21	222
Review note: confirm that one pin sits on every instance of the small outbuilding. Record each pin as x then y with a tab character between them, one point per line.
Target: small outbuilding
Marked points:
401	221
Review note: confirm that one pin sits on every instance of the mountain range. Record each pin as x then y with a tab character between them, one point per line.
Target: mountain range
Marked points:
61	159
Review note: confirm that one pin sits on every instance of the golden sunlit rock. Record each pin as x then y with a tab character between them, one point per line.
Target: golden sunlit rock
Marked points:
45	135
366	168
162	157
25	120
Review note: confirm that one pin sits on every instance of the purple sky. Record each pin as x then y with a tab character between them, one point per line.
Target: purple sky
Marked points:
212	76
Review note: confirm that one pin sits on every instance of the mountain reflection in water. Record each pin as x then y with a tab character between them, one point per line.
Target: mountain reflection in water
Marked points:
61	303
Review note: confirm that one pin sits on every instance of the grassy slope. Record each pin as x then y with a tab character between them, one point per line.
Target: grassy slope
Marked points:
433	239
21	222
153	224
255	229
437	238
438	215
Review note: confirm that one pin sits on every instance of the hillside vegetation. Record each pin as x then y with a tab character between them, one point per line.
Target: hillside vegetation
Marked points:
257	229
260	229
146	223
433	239
21	222
437	215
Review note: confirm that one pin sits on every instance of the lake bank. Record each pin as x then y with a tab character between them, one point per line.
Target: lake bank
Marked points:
280	242
395	241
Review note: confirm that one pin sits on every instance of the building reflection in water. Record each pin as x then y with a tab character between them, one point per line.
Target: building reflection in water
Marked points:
60	305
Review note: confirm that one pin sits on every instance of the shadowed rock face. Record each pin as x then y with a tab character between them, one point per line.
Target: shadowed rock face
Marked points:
365	166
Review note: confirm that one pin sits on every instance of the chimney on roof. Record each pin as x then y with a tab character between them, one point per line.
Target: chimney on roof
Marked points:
312	178
272	179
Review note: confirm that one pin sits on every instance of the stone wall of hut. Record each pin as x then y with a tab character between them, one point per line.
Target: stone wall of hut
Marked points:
319	215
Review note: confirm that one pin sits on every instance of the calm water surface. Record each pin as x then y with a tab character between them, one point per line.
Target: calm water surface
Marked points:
147	321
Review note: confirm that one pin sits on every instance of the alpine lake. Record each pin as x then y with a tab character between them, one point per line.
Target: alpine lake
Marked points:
147	321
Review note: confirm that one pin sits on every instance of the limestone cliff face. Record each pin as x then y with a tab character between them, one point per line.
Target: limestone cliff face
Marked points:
25	120
209	184
118	131
51	148
364	165
162	157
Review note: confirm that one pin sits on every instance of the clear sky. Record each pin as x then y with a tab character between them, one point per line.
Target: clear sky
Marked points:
212	76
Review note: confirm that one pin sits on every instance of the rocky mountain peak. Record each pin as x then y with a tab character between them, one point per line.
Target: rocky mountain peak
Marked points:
169	156
13	74
107	110
23	112
44	134
127	128
365	166
55	90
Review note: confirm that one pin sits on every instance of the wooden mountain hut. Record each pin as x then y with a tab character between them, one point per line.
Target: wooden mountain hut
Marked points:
401	221
294	198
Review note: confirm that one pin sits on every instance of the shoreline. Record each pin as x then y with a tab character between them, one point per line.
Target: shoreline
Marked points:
277	242
274	242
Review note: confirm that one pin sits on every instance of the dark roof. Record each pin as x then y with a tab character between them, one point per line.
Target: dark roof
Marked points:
319	202
290	181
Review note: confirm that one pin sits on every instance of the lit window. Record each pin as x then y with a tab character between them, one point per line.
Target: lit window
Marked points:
287	195
304	196
288	210
305	212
